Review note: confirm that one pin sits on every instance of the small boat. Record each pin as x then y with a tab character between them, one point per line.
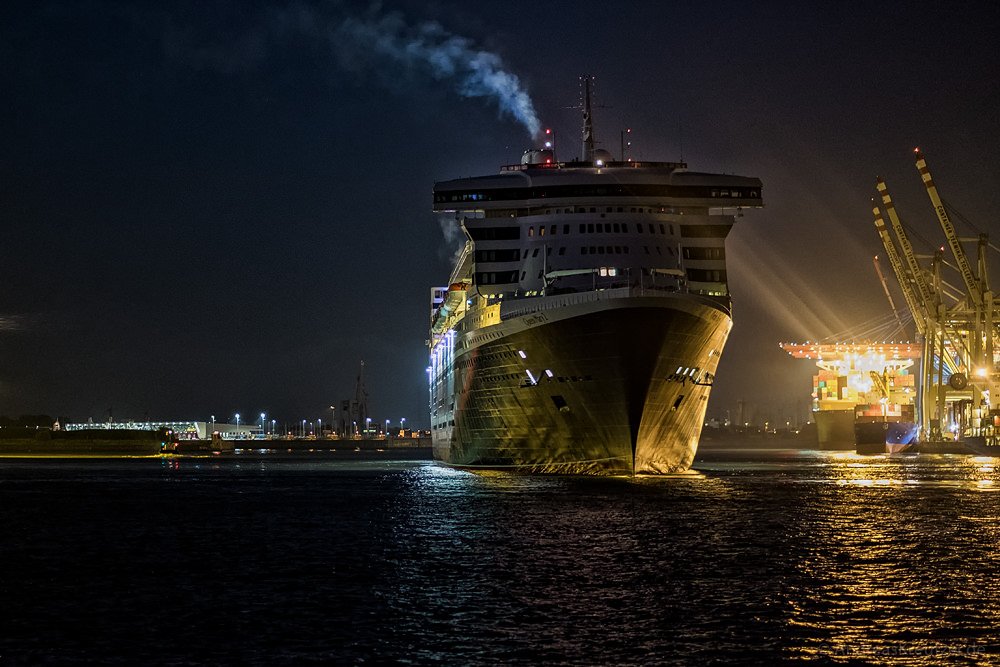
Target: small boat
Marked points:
900	436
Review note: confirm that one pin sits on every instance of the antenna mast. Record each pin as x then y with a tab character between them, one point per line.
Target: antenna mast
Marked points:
588	125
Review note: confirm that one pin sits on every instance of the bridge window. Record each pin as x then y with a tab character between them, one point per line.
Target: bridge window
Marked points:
495	277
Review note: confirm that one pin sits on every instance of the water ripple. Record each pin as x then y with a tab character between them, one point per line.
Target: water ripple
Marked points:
754	558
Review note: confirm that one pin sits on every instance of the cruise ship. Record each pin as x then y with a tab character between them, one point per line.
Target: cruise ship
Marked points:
583	322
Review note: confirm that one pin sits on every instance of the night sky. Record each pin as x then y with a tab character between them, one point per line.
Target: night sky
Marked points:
219	207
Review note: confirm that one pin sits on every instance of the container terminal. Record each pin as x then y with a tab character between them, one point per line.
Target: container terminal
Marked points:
941	393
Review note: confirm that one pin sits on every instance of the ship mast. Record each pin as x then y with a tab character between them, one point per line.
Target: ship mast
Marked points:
588	124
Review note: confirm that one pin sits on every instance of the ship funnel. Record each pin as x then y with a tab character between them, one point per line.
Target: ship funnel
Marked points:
538	156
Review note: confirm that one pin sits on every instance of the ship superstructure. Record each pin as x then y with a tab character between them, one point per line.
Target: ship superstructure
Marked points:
582	324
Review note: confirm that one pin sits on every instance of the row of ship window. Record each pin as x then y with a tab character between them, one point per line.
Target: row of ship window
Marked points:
601	228
608	209
594	190
512	254
513	233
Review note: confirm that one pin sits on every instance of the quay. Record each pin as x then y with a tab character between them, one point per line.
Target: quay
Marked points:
121	442
415	447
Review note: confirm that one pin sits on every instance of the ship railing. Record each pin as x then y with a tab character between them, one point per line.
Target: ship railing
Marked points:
519	307
526	306
576	164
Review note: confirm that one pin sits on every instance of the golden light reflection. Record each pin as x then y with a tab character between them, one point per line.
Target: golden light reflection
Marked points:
860	543
882	471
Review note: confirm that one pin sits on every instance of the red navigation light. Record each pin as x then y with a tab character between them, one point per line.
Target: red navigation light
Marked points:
548	131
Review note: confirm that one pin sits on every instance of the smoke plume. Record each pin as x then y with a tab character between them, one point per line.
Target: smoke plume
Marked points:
379	45
428	47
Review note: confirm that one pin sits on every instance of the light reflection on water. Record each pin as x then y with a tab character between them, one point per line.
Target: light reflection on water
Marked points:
753	557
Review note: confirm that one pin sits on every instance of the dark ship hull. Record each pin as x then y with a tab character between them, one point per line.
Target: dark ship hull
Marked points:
888	436
614	386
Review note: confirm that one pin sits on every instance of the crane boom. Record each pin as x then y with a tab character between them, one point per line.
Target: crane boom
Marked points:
923	291
965	268
916	308
885	288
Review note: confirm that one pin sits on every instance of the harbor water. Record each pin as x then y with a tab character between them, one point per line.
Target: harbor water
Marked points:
755	556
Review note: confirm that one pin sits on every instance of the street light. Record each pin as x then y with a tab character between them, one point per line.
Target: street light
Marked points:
273	422
303	428
263	431
319	428
237	424
402	424
368	426
386	428
333	419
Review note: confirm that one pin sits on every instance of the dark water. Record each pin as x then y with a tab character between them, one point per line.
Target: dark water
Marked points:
757	557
